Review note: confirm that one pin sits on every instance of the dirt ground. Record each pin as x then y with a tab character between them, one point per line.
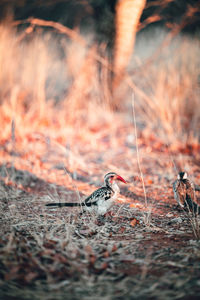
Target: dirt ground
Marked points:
140	251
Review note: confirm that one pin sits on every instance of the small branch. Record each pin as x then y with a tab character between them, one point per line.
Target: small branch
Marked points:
61	28
137	150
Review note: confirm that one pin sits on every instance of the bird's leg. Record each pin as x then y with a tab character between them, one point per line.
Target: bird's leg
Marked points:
100	220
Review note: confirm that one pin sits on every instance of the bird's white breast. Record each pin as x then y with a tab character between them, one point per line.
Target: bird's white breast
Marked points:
104	206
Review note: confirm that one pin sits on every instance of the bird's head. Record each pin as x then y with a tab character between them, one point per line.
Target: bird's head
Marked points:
109	178
182	176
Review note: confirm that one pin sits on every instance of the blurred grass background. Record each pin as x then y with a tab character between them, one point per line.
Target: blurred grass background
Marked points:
55	79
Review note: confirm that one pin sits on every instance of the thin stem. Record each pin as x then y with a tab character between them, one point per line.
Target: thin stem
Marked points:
137	150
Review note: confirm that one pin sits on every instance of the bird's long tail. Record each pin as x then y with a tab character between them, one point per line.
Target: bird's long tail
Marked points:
70	204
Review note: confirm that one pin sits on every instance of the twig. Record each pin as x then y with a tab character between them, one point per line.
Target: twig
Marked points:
137	150
63	29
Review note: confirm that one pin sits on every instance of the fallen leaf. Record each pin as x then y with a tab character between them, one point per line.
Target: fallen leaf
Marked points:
92	259
106	254
121	229
114	248
104	266
133	222
88	249
149	181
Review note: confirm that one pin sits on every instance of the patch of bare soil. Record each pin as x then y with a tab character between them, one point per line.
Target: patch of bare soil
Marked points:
138	252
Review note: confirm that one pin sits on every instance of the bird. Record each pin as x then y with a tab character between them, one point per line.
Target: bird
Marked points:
184	192
102	199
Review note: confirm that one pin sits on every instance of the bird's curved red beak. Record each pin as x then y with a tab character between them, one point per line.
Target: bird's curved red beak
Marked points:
121	179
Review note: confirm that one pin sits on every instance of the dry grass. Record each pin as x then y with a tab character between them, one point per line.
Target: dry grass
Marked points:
40	69
171	84
54	252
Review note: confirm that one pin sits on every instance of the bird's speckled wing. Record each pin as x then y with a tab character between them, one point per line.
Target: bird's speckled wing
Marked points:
104	193
179	192
190	191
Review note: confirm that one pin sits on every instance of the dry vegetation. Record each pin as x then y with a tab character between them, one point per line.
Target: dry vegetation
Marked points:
59	136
